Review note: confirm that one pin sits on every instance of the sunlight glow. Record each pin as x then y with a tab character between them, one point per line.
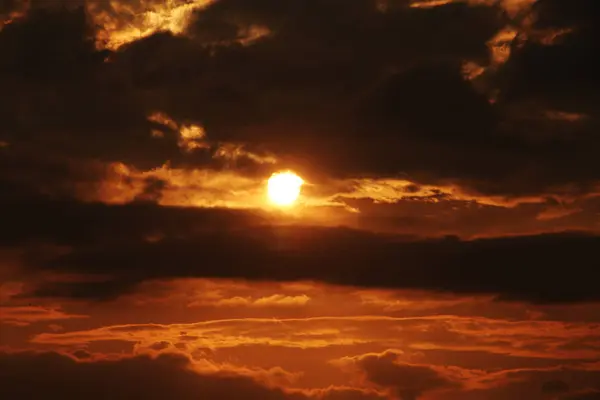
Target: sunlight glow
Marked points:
283	188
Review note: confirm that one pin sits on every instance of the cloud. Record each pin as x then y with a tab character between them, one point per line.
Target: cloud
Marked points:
31	375
226	244
584	395
276	300
11	10
131	243
379	373
390	301
26	315
360	90
519	348
348	394
123	22
412	381
384	204
406	71
436	337
550	383
165	376
408	381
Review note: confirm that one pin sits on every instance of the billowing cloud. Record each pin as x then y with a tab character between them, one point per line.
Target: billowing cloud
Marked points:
408	381
413	381
31	375
549	383
295	94
393	75
541	350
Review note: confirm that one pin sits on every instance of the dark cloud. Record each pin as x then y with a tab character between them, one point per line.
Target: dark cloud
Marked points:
409	381
555	386
407	100
36	375
82	354
305	77
351	394
340	85
152	191
35	218
470	219
132	243
554	383
545	78
585	395
8	6
158	346
562	73
66	100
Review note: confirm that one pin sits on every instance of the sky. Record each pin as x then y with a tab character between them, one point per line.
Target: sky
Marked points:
443	244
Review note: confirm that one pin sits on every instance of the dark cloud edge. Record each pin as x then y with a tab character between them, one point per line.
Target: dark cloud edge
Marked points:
138	242
31	375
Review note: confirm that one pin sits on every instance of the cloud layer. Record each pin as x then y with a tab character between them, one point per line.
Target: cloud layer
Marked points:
130	244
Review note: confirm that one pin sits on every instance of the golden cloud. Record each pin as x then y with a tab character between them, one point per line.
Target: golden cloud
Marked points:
122	22
541	339
276	300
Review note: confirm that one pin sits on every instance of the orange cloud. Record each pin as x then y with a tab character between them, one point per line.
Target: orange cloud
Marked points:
280	300
17	9
541	339
512	7
390	301
428	355
232	152
231	188
26	315
191	137
500	45
407	381
163	119
194	137
276	300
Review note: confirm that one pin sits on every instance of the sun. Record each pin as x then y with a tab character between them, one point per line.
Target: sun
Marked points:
283	188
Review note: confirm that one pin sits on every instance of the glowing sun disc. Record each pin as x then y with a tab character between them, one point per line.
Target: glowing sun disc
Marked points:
283	188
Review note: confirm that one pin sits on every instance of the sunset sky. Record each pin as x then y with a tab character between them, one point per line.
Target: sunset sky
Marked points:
300	199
